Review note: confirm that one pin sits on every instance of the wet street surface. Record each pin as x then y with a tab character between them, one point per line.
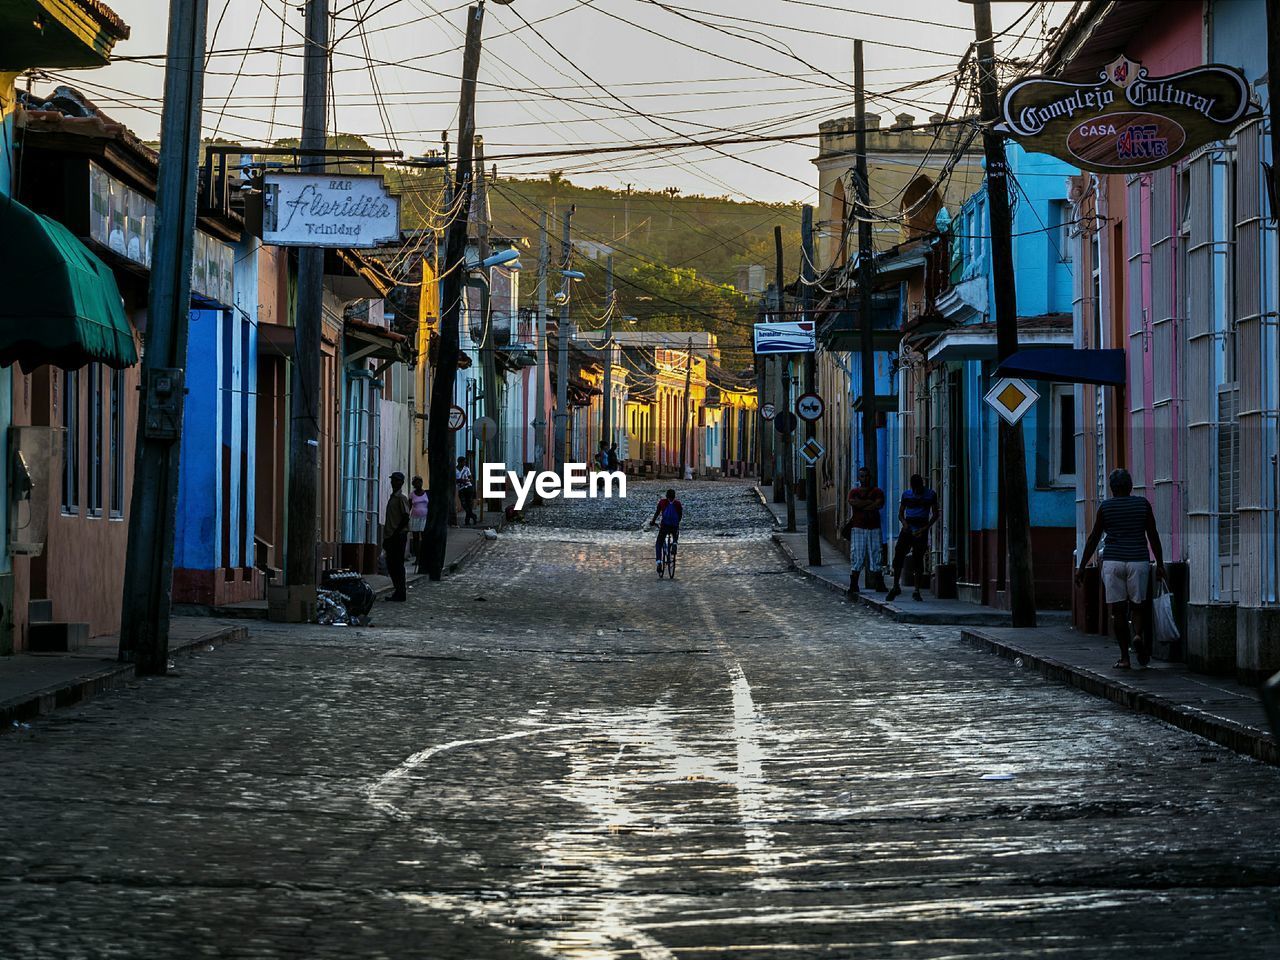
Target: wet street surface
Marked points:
555	754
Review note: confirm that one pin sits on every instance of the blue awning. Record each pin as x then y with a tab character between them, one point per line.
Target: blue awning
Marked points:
1067	365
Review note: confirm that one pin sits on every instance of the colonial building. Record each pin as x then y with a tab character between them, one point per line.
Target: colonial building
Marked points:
1178	268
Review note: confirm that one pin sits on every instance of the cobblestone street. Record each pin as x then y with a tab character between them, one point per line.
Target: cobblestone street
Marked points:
555	754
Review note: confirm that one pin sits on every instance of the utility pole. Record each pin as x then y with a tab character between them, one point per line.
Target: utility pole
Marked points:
866	263
148	571
626	213
784	385
540	349
440	446
491	449
807	275
304	387
684	424
563	333
606	431
1017	518
1273	105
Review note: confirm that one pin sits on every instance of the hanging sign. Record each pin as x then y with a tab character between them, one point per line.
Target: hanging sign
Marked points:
328	210
1011	398
1127	119
797	337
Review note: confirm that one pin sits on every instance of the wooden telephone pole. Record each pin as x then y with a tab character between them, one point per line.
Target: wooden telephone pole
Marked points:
148	572
807	275
866	262
684	425
440	444
784	392
1016	512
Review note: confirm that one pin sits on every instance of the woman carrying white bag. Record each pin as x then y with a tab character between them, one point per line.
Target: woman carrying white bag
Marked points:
1129	525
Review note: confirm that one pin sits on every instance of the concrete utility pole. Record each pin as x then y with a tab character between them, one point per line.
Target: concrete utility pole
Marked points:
148	572
490	449
540	349
866	263
304	386
684	424
606	431
564	332
440	458
807	275
784	392
1016	512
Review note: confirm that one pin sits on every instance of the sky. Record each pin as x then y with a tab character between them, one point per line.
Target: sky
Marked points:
569	74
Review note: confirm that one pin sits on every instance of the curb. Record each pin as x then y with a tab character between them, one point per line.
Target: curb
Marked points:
1245	740
874	604
70	693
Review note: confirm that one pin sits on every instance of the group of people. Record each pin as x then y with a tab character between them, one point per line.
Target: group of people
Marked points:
917	512
406	520
1125	526
606	457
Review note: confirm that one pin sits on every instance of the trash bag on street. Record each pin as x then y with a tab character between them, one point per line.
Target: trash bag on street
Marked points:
1166	627
344	597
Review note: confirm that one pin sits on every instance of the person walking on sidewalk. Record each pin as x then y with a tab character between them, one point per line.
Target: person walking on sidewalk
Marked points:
917	512
865	502
466	491
1129	526
395	536
418	504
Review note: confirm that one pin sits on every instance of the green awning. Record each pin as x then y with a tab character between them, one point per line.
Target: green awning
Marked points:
60	304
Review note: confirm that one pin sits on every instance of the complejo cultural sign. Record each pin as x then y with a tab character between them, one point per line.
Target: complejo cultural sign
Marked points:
1128	120
324	210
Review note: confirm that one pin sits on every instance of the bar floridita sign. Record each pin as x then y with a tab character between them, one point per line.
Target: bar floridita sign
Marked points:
324	210
1128	120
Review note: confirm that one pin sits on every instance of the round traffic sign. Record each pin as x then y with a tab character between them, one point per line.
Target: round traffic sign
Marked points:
809	407
785	421
457	418
768	411
486	428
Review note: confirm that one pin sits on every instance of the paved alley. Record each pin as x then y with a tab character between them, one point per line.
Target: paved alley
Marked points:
555	754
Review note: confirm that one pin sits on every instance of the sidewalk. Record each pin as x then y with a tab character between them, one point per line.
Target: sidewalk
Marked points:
833	574
464	544
1215	708
32	684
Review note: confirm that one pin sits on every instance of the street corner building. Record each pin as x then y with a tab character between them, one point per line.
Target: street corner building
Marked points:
77	227
1146	318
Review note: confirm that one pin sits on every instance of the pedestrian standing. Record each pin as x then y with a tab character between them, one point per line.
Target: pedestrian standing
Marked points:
1129	525
419	500
865	545
395	536
613	457
917	512
466	491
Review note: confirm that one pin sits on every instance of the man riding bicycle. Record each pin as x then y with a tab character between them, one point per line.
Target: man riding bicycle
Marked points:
671	511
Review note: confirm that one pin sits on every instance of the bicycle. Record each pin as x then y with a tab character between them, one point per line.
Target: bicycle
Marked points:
668	564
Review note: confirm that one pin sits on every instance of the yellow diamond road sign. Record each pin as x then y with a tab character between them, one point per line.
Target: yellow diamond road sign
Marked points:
1011	398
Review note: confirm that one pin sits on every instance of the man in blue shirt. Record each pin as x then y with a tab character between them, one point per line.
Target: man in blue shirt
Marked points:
918	511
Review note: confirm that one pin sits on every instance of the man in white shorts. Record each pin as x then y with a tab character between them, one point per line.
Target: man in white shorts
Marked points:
1129	526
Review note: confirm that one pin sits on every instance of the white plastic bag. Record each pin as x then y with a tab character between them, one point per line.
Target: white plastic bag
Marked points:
1166	628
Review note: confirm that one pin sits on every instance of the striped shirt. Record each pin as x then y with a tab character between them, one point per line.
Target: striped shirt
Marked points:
1124	521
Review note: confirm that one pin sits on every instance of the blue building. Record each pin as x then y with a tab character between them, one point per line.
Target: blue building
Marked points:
950	434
